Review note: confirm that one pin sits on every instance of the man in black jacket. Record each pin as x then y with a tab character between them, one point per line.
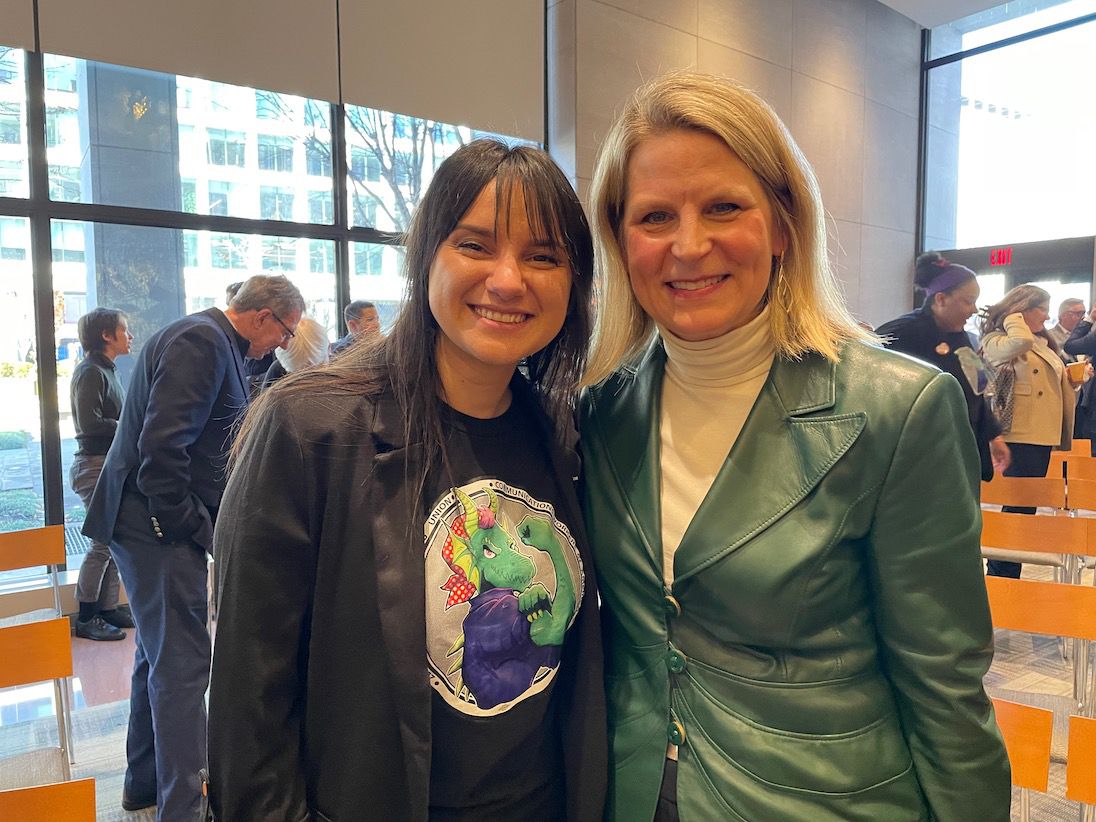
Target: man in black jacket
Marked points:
155	504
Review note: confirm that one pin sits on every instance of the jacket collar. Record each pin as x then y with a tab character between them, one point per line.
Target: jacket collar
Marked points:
239	346
790	440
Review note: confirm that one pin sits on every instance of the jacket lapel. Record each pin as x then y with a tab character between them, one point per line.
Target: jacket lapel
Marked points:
401	593
237	358
633	447
786	447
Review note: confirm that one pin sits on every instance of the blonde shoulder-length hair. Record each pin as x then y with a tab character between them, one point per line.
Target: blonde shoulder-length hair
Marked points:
807	311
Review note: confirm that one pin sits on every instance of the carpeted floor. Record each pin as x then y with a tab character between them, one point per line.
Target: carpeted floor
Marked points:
99	741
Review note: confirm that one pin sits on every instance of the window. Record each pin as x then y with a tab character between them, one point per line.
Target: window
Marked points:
64	184
190	196
228	251
219	192
226	148
368	259
75	306
275	153
14	238
190	251
279	254
316	113
365	210
991	118
275	203
67	238
317	159
11	123
13	178
11	61
269	106
60	74
321	256
321	208
53	127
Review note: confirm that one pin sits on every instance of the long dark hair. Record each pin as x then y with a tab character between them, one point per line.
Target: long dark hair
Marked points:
406	359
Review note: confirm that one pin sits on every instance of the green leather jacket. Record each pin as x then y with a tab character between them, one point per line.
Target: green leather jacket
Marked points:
820	654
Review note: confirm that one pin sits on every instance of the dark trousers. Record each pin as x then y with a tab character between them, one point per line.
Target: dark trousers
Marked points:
166	584
666	810
1027	461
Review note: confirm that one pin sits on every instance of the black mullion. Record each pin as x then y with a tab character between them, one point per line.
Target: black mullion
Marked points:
342	213
922	146
156	218
53	491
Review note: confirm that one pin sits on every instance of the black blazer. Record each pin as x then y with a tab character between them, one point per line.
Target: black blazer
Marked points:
1082	340
320	705
188	388
918	335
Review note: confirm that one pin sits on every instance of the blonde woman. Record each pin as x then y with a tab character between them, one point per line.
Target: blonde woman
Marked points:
788	635
307	347
1014	336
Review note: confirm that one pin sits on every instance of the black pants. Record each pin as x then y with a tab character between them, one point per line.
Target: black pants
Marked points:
667	797
1027	461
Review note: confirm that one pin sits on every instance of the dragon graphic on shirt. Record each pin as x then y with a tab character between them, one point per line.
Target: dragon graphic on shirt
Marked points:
513	630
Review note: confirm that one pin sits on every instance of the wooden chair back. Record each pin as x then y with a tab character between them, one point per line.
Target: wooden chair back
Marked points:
1035	492
1080	468
1081	448
1051	535
35	652
57	802
31	547
1081	760
1049	608
1082	495
1057	466
1027	732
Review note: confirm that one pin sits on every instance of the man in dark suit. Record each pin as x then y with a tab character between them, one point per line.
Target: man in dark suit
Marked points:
155	504
362	320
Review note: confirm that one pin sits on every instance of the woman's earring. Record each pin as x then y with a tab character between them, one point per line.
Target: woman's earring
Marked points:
783	290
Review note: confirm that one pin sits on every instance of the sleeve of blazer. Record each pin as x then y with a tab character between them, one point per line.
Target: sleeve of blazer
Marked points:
1017	339
89	395
266	563
1082	340
932	613
182	393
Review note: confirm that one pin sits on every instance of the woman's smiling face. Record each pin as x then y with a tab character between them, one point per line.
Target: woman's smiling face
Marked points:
698	235
497	291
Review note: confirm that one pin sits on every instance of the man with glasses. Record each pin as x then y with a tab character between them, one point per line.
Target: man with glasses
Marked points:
155	504
1070	312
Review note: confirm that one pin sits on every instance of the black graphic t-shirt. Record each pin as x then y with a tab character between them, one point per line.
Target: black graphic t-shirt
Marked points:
504	582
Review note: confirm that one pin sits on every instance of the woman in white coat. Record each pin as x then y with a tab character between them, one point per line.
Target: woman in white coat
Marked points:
1014	336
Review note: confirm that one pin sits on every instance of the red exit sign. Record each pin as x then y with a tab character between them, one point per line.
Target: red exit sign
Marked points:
1000	256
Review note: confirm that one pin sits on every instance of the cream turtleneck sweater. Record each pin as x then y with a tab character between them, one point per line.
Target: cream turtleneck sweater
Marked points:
707	393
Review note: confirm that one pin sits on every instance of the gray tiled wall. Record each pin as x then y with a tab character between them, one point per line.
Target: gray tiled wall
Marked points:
842	73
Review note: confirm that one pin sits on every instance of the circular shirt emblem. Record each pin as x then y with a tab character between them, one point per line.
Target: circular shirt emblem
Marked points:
504	582
943	349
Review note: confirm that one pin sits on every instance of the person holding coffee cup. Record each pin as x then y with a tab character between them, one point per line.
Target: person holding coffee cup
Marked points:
1014	336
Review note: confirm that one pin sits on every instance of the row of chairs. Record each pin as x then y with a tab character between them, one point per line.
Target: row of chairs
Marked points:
34	652
1027	732
1063	609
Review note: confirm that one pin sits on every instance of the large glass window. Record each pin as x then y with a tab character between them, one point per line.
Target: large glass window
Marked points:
199	162
1009	155
13	139
21	498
